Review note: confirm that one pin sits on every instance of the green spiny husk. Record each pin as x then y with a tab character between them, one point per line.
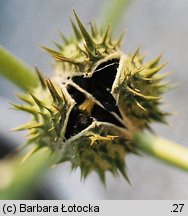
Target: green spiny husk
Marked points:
135	95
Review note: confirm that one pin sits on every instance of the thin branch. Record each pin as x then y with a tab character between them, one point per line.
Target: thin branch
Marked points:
21	176
113	12
163	149
16	71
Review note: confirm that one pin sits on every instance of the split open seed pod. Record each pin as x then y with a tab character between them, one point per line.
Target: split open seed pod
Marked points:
96	99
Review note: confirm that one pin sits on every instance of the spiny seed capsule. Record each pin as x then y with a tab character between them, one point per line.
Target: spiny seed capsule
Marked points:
97	98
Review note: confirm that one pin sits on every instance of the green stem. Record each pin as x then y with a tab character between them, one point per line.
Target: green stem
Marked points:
22	175
16	71
163	149
113	12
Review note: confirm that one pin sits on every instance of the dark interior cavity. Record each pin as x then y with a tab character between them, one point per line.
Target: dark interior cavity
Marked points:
103	115
99	86
78	96
77	122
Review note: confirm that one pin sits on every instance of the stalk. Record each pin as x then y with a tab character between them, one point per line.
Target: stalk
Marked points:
162	149
16	71
113	12
22	175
